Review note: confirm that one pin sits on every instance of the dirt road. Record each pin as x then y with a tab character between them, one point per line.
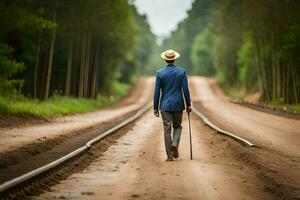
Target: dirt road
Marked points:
277	159
135	168
12	138
267	130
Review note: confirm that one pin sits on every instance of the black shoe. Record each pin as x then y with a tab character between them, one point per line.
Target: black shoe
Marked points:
169	159
175	151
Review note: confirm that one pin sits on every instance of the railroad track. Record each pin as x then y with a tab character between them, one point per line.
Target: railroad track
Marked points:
27	183
36	180
221	131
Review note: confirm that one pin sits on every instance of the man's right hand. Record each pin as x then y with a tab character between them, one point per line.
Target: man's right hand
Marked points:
156	113
189	109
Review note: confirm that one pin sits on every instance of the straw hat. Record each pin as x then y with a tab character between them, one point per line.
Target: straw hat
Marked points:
169	55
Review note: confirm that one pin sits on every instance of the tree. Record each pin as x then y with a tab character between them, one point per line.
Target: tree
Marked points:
202	53
8	68
257	38
74	47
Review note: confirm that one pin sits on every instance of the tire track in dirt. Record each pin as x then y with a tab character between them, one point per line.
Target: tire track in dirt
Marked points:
135	167
277	161
27	148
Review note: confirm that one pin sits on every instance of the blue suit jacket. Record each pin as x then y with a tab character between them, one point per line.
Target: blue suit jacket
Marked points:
171	86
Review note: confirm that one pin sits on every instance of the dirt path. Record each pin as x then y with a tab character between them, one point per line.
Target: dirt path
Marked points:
12	138
277	160
267	130
134	168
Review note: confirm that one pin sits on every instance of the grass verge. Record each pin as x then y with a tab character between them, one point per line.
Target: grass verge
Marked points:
290	107
240	93
61	105
235	92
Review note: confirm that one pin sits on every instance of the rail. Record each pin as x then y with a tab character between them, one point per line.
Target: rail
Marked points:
34	173
219	130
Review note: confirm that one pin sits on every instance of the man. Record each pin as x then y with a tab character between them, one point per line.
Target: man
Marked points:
171	86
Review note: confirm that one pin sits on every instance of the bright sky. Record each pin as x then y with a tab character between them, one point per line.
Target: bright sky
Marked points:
163	15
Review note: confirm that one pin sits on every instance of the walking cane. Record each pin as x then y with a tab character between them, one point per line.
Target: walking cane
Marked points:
191	149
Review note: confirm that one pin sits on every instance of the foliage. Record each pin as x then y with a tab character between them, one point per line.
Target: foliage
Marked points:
80	48
16	16
183	38
139	61
8	68
247	64
255	45
202	55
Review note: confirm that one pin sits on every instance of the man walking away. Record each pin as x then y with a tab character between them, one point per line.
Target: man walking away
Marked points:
171	86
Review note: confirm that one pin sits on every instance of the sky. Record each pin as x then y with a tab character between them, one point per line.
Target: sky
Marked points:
163	15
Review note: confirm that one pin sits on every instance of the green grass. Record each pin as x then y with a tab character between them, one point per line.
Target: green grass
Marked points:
235	92
294	107
240	93
290	107
60	105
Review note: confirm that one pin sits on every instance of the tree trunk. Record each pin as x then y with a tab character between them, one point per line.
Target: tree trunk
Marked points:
37	63
50	63
274	68
294	79
260	70
87	64
69	69
82	66
94	81
76	66
279	75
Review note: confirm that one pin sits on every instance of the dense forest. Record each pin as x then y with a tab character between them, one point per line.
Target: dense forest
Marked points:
73	48
252	45
90	49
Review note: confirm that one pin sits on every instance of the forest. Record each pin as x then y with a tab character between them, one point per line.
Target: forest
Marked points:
253	46
76	55
76	49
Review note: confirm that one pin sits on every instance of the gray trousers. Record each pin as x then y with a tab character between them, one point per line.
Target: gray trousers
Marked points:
171	119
